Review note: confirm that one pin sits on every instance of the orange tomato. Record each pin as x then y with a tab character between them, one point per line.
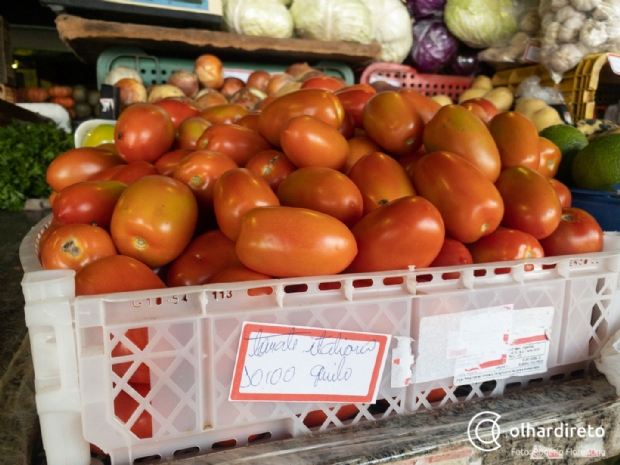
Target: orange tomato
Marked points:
272	165
134	171
168	162
550	157
78	165
452	253
577	233
235	193
154	219
470	205
516	138
288	242
73	246
225	113
380	179
189	131
505	244
405	232
425	106
237	142
353	99
564	193
324	190
358	147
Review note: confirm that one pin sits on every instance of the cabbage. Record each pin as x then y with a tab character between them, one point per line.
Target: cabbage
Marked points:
481	23
391	24
425	8
433	45
464	63
265	18
340	20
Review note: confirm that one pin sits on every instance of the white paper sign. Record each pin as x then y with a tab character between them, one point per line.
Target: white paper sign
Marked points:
302	364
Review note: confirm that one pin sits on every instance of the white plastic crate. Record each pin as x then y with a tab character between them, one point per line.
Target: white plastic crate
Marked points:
193	336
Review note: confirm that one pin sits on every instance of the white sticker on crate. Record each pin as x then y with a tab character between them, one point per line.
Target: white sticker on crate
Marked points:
303	364
485	344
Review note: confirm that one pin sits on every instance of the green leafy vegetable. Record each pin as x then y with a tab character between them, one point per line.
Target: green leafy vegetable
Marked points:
26	150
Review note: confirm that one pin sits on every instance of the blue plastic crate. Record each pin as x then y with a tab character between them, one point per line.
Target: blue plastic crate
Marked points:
604	206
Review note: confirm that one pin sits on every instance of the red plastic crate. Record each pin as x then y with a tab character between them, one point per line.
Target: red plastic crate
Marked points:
408	77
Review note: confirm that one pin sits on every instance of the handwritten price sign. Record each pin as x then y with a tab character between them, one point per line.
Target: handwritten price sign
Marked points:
301	364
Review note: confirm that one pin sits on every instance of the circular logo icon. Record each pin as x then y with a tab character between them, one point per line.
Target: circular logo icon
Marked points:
477	437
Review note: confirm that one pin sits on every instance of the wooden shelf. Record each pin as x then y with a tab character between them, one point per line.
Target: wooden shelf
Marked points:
87	38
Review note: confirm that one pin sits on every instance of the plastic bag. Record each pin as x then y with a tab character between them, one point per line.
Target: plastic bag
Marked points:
574	29
609	362
265	18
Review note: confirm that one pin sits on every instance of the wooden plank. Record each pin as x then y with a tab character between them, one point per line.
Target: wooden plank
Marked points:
87	38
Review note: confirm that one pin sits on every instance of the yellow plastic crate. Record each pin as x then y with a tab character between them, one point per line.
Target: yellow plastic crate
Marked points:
588	89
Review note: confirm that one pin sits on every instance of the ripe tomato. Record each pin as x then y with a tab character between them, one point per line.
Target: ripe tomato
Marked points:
322	82
530	201
578	232
178	110
200	170
272	165
452	253
392	121
125	406
405	232
249	121
189	131
488	106
288	242
116	273
324	190
53	226
78	165
455	129
88	202
470	204
143	132
347	128
505	244
73	246
107	174
353	99
476	110
358	147
239	273
550	157
204	257
408	162
134	171
425	106
154	219
235	193
309	141
237	142
168	161
140	338
321	104
564	193
380	179
225	113
516	138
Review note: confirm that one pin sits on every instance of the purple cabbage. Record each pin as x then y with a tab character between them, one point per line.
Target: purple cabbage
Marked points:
425	8
465	62
433	45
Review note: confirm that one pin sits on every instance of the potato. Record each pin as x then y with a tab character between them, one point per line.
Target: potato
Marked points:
545	117
482	82
474	92
529	106
442	99
501	97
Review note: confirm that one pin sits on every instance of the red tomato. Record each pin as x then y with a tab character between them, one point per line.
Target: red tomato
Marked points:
322	82
470	204
516	138
249	121
405	232
408	162
134	171
53	226
236	192
125	406
288	242
455	129
324	190
452	253
107	174
505	244
476	110
530	201
353	99
189	131
380	179
577	233
425	106
168	161
321	104
154	219
564	193
358	147
88	202
347	129
225	113
200	170
116	273
178	110
204	257
73	246
140	338
550	157
309	141
237	142
272	165
488	106
243	273
392	121
78	165
143	132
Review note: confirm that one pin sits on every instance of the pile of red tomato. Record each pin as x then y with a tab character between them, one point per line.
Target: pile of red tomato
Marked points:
324	179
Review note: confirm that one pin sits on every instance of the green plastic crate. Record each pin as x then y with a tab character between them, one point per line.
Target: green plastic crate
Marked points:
155	70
